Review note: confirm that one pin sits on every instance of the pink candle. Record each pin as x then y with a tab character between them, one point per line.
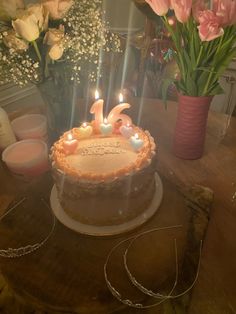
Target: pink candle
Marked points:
126	130
97	110
70	144
115	114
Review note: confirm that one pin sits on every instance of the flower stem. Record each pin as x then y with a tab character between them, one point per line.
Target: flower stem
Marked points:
177	45
46	69
37	50
199	57
212	71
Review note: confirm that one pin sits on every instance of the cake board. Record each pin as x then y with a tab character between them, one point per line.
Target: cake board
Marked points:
102	231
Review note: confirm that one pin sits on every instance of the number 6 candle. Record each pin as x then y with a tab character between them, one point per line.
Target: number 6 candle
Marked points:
115	114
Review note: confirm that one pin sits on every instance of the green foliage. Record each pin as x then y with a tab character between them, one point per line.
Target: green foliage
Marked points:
201	64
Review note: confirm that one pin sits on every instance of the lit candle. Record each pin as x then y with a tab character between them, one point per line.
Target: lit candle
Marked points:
97	110
106	128
121	98
136	142
85	130
126	130
70	144
116	115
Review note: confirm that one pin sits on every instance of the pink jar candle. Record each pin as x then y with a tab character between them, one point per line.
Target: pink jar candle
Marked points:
30	126
27	158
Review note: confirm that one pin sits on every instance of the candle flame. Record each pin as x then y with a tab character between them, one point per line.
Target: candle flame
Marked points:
70	137
96	94
84	125
121	97
136	135
105	120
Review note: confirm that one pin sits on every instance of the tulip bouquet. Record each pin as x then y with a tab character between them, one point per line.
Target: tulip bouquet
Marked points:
38	39
203	34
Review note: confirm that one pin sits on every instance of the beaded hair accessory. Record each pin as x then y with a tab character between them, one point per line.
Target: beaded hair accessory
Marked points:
137	284
24	250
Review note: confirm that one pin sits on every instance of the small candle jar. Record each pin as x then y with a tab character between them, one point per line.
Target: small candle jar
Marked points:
85	130
106	128
30	126
27	158
126	130
136	142
70	144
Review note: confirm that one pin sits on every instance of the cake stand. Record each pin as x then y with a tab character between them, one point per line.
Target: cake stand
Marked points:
108	230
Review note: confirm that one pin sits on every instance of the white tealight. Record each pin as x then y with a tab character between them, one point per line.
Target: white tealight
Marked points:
136	142
106	128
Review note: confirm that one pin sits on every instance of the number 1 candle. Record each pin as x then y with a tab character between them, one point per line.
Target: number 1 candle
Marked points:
97	110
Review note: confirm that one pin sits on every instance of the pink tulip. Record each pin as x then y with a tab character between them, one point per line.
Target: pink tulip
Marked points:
226	11
160	7
182	9
209	27
198	6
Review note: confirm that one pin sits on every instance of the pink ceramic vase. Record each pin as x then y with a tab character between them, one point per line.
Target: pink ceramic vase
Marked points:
190	130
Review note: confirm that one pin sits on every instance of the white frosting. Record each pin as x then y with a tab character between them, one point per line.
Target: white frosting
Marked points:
102	155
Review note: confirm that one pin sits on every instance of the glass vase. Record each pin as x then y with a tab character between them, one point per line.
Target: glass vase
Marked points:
58	97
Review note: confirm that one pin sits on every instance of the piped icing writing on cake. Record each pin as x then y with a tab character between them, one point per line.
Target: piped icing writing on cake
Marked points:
100	149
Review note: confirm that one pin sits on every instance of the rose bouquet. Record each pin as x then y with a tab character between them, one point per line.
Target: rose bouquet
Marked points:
204	36
35	37
53	43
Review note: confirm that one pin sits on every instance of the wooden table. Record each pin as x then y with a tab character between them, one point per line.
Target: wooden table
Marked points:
215	290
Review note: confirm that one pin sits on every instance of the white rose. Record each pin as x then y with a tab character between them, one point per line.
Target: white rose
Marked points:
57	8
56	51
40	13
26	26
8	8
54	35
12	41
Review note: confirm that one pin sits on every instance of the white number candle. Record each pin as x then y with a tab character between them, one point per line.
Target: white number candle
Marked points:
115	114
97	110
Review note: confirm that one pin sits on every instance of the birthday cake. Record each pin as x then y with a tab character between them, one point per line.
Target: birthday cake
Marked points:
104	170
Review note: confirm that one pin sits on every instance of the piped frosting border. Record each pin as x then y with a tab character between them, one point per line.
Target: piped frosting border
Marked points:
144	158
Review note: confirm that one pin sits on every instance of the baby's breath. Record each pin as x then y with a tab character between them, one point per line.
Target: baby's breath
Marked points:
86	35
